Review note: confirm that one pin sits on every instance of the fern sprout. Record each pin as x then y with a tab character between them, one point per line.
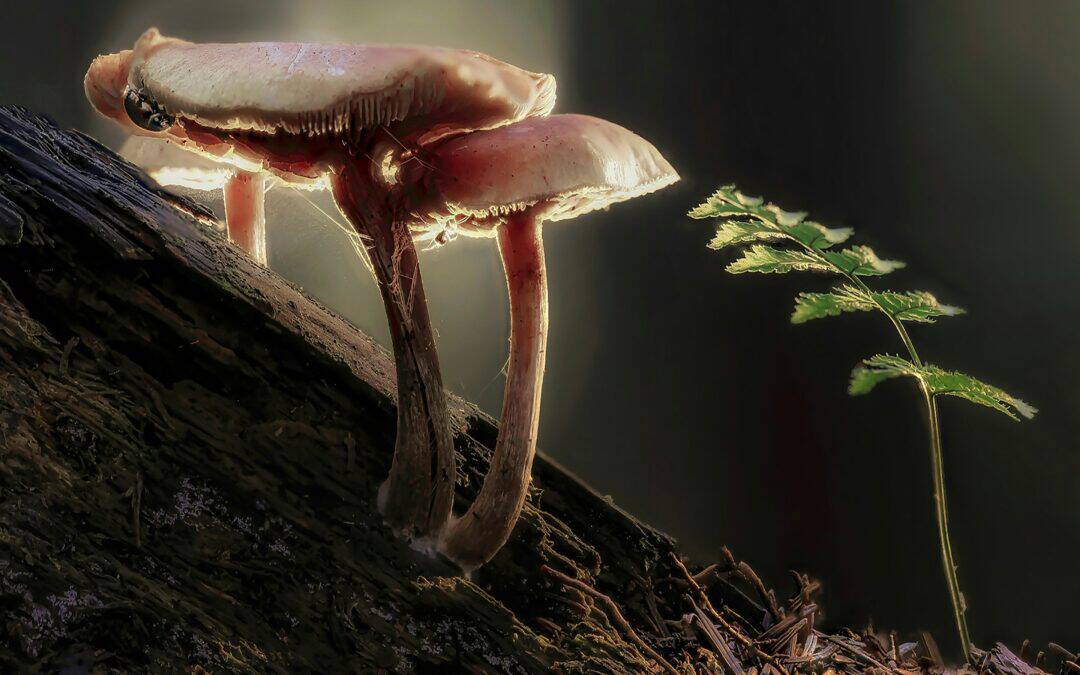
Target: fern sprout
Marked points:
775	241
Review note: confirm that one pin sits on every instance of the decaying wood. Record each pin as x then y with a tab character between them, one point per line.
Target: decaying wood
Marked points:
189	454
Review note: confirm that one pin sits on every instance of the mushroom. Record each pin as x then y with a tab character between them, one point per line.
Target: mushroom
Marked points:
341	115
243	191
507	182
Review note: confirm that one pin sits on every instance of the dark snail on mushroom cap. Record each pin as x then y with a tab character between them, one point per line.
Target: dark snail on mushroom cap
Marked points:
145	112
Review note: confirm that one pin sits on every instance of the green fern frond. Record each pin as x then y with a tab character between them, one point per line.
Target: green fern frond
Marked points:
939	382
951	383
914	306
876	369
862	261
709	207
724	202
728	202
769	222
782	217
735	232
771	260
816	235
857	260
810	306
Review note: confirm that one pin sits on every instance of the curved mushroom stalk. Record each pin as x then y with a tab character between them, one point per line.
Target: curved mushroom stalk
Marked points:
303	112
478	535
513	178
417	497
245	214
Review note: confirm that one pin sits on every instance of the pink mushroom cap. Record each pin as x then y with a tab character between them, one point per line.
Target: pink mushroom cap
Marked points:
565	165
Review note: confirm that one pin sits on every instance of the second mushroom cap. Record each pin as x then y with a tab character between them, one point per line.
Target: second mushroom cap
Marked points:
567	164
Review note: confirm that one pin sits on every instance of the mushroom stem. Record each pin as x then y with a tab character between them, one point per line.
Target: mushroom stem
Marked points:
245	215
478	535
418	495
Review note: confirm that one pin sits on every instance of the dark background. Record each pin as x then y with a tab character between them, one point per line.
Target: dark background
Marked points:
945	133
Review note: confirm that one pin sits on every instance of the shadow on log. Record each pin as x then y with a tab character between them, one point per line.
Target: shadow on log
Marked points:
189	454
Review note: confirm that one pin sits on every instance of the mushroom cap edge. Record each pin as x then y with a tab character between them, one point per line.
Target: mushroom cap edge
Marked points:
567	165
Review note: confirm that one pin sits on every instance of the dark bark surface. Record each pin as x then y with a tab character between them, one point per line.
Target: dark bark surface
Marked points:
189	454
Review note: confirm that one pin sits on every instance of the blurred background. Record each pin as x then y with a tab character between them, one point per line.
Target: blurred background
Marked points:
945	133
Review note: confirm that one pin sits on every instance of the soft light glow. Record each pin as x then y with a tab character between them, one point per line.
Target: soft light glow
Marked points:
306	241
189	177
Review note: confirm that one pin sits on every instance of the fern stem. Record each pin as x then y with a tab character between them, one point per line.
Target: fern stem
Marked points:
941	509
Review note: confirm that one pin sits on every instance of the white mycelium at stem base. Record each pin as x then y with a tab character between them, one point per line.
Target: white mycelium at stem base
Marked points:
508	181
301	112
483	530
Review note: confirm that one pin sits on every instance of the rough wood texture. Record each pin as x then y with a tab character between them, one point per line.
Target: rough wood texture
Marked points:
189	454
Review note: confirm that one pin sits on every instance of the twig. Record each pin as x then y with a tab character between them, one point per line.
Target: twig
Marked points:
578	608
719	644
704	598
931	648
654	614
614	614
748	573
702	578
1065	654
732	630
852	649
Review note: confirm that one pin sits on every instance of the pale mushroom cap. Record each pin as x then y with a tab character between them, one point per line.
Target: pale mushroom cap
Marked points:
306	88
566	165
170	164
104	84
